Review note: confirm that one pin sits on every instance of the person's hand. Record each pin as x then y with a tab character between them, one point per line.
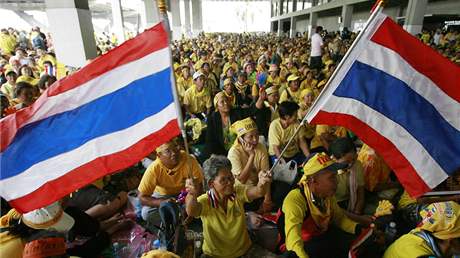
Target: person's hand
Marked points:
262	94
366	220
265	177
192	186
267	206
256	220
248	148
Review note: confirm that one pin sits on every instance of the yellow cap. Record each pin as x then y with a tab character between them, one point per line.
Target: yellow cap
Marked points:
228	81
441	219
306	92
292	77
218	96
226	67
164	146
271	90
320	162
24	78
241	127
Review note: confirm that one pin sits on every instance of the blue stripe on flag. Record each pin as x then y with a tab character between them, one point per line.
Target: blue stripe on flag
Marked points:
394	99
64	132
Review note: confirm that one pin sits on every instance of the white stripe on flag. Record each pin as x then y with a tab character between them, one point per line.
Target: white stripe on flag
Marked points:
32	178
392	63
427	168
347	63
104	84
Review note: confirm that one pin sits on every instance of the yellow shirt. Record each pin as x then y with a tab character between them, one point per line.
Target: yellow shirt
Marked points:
11	246
197	102
343	181
239	158
225	233
295	209
320	129
280	137
7	43
8	90
408	246
159	179
292	96
183	85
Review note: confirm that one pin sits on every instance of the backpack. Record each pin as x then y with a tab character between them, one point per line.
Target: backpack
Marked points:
171	230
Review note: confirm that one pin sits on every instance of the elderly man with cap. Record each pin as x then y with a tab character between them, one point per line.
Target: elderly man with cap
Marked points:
197	99
438	235
165	178
184	82
309	211
267	108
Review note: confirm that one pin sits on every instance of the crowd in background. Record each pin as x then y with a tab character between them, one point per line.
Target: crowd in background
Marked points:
243	97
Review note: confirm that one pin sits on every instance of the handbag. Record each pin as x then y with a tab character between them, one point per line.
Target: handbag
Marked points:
285	172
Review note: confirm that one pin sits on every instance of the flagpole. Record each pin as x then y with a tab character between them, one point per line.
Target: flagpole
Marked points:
164	17
376	10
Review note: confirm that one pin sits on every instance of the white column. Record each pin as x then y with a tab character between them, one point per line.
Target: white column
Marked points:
176	26
187	24
72	30
293	29
197	17
313	23
117	16
347	13
280	31
149	13
414	16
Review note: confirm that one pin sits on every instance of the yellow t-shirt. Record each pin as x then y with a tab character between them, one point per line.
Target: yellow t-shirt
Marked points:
320	129
239	158
225	234
183	85
343	181
159	179
8	90
197	102
295	209
408	246
11	246
292	96
280	137
7	43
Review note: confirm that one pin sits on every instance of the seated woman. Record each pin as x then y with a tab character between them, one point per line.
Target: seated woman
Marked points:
266	108
292	93
222	212
24	93
438	235
281	130
243	91
248	158
219	137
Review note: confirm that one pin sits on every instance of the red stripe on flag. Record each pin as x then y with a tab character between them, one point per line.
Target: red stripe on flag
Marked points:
56	189
424	59
145	43
406	174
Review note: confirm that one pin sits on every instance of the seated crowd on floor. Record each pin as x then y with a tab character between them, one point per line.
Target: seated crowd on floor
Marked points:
243	98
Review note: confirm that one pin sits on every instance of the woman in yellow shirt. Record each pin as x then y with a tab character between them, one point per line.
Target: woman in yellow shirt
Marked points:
292	93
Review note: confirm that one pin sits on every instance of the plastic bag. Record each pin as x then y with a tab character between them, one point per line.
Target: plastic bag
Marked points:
285	172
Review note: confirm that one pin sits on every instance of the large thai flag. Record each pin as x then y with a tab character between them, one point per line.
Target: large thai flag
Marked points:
103	118
403	99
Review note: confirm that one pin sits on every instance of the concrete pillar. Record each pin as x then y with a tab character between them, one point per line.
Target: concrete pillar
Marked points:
149	13
294	5
72	30
187	27
293	29
280	30
197	17
117	16
414	16
347	13
176	25
313	23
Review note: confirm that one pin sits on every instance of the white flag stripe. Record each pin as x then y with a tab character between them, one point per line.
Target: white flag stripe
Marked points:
104	84
57	166
427	168
392	63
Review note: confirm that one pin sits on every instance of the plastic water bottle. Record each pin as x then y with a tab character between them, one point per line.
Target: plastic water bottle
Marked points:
156	244
390	232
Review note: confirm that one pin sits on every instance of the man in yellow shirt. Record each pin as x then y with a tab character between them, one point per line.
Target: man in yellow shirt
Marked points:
165	178
7	42
438	235
221	210
184	82
281	130
197	99
309	211
9	87
293	91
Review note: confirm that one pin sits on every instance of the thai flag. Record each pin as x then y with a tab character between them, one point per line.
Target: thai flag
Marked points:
403	99
49	69
103	118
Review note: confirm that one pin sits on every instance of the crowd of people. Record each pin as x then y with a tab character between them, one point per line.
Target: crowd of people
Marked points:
243	97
